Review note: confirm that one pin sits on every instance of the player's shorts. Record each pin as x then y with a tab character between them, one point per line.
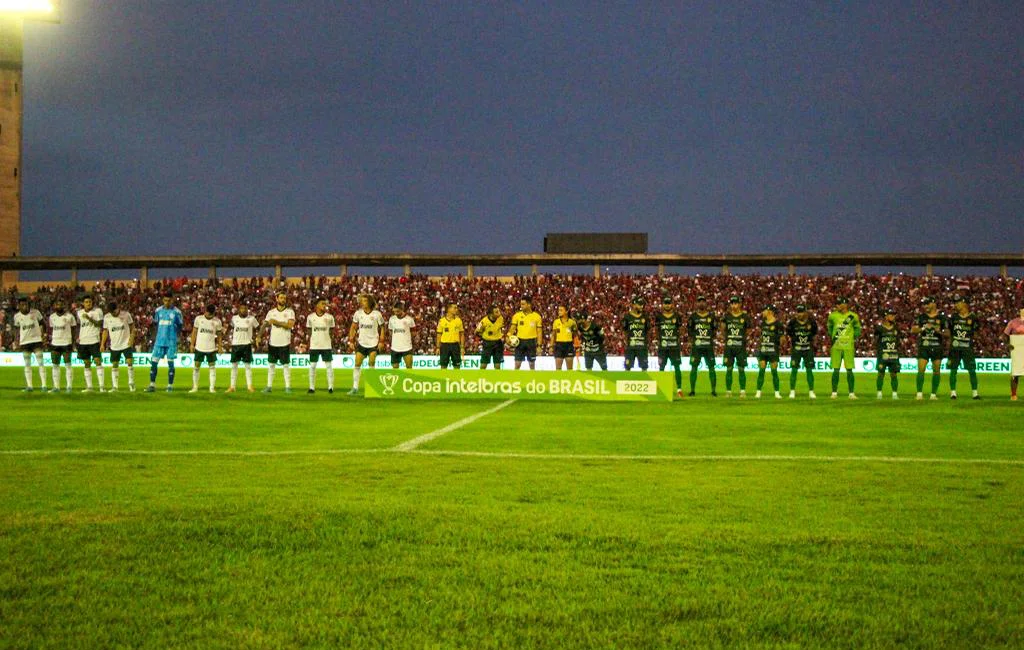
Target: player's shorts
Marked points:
735	354
115	356
37	346
842	356
241	353
705	353
564	349
526	350
768	357
163	352
279	354
930	353
317	355
88	351
601	358
398	357
451	355
492	352
205	357
665	356
58	351
888	365
802	357
958	355
638	356
365	351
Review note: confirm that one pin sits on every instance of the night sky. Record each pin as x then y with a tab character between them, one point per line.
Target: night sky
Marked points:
263	126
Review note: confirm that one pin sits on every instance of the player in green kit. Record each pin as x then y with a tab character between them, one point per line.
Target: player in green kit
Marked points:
701	329
768	349
801	331
930	328
887	347
668	325
963	325
636	325
843	330
735	324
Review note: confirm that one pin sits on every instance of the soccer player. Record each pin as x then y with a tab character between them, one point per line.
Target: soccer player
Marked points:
169	322
245	332
528	326
400	327
801	330
1014	328
735	324
321	326
963	325
636	325
62	337
491	330
365	336
31	341
563	331
451	339
930	328
592	341
887	345
205	343
280	319
667	326
843	330
119	334
768	351
701	329
90	325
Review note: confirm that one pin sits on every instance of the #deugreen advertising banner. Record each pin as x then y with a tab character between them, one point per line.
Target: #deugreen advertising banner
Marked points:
527	385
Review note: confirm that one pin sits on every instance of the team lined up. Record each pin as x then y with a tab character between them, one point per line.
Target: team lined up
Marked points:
369	334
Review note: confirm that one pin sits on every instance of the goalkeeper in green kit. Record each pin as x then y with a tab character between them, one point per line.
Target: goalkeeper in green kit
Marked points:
843	330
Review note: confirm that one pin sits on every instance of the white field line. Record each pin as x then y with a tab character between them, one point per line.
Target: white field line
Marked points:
187	452
410	445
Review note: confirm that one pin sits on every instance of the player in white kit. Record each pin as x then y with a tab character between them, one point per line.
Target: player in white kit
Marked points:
245	332
90	324
321	326
119	334
400	327
62	342
29	323
280	320
365	336
205	344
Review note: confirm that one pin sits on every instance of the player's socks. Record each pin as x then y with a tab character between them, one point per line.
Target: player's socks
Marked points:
88	379
693	378
69	374
115	378
100	379
952	379
195	378
973	376
330	375
728	380
270	375
131	378
170	373
792	380
287	370
835	380
810	379
920	382
894	381
28	370
760	381
355	378
679	378
714	380
849	380
153	366
775	381
1013	386
312	376
234	375
936	378
213	379
42	370
879	383
743	379
248	375
56	377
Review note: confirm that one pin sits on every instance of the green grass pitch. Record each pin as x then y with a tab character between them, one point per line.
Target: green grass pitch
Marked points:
252	521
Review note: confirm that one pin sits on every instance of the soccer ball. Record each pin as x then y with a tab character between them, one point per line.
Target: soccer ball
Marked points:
513	341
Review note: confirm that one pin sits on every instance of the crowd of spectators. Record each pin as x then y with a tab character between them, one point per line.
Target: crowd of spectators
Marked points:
994	299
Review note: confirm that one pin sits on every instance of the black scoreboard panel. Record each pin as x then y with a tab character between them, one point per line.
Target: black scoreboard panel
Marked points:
595	242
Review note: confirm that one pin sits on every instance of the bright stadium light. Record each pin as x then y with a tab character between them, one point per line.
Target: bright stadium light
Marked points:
28	7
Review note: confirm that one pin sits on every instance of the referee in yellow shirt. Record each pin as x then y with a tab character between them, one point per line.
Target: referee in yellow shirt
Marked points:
491	329
526	326
451	340
563	331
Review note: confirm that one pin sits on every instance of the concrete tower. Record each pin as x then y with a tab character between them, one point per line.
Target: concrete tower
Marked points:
11	30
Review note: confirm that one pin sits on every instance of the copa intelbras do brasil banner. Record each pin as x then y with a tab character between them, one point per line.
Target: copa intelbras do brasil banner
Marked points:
501	384
472	362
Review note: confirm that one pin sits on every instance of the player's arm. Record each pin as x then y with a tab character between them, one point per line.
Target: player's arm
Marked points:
104	336
462	340
353	331
220	339
380	336
856	326
192	338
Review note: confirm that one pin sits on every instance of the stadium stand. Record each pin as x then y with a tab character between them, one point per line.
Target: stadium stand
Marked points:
994	299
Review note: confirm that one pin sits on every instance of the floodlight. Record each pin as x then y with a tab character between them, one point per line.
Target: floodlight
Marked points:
31	9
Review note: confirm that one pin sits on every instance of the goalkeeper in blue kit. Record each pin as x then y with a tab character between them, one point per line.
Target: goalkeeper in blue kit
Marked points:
169	322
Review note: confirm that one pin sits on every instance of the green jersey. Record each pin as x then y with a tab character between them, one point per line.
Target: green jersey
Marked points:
736	329
636	330
802	334
771	334
931	330
962	330
668	328
843	329
887	342
702	330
